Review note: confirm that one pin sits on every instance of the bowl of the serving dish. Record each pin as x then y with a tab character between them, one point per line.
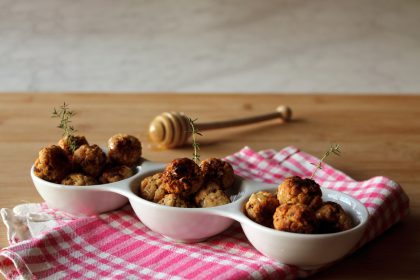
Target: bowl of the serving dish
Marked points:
187	225
83	200
310	250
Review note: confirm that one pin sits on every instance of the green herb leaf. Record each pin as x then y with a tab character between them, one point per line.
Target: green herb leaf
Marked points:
64	113
196	147
334	149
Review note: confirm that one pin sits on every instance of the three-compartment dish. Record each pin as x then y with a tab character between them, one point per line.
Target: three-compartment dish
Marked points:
196	224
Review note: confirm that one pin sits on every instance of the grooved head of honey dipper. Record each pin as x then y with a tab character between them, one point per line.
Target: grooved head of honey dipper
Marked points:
156	131
169	130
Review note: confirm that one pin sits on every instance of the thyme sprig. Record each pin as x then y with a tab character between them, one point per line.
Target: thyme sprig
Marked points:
196	146
65	115
334	149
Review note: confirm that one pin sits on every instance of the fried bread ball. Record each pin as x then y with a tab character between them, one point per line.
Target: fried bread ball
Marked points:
78	179
214	199
151	188
297	190
205	190
160	193
261	206
182	176
332	218
78	141
298	218
173	200
115	174
90	159
211	195
124	149
52	164
218	171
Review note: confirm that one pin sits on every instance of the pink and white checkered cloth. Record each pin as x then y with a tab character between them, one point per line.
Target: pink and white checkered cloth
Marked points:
117	245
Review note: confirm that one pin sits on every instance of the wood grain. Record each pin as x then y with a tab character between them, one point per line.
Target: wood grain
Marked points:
380	135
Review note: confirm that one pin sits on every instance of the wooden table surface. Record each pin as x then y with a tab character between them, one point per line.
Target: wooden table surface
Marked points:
380	135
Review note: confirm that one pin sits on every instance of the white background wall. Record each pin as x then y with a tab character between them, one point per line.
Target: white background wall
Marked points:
358	46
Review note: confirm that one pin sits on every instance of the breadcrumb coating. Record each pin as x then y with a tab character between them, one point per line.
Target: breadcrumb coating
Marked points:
182	176
297	190
52	164
124	149
261	206
218	171
297	218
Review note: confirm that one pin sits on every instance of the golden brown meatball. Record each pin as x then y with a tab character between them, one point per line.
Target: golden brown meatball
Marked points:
78	179
124	149
182	176
298	190
216	198
160	193
151	188
115	174
90	159
332	218
52	164
173	200
261	206
298	218
211	195
218	171
205	190
78	141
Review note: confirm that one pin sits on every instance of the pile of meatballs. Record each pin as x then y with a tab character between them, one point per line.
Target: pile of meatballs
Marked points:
297	207
186	184
88	164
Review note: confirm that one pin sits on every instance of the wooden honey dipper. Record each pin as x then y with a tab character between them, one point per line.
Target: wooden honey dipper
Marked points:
172	129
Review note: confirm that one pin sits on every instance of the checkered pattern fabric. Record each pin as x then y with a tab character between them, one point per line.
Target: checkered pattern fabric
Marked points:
117	245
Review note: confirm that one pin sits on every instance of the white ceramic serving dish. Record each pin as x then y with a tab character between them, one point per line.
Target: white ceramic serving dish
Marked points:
78	200
310	251
197	224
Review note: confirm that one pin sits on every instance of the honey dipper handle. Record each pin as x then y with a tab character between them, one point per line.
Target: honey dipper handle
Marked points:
282	112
